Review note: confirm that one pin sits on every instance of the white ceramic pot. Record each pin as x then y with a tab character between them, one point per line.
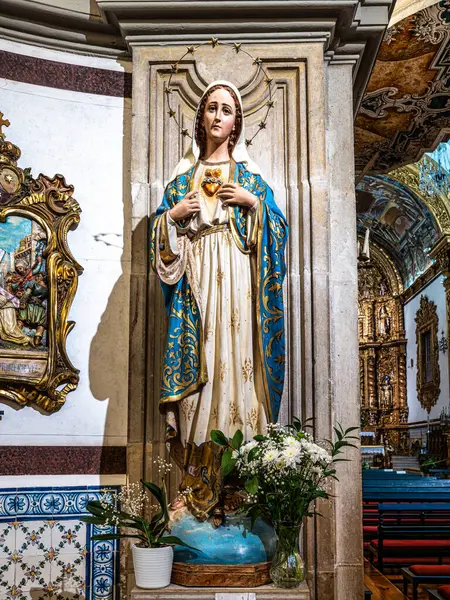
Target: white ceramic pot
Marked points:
152	566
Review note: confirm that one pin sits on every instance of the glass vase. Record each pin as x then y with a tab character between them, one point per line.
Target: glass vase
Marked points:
287	569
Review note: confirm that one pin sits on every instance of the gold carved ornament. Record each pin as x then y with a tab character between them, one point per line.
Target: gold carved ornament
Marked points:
427	323
44	379
409	176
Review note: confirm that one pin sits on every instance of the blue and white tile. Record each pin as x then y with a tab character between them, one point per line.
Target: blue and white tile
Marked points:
33	573
7	574
45	549
69	537
33	537
7	537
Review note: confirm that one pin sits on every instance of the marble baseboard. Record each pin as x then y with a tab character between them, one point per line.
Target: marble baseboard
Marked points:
265	592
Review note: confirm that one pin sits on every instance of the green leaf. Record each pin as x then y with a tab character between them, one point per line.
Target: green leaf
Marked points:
156	491
338	433
350	429
237	440
228	462
259	438
251	485
219	438
108	511
172	540
93	520
252	454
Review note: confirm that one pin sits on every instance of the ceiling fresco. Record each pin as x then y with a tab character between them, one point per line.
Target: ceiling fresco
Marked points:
398	221
406	107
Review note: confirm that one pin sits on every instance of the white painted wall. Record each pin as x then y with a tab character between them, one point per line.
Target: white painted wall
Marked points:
435	292
82	137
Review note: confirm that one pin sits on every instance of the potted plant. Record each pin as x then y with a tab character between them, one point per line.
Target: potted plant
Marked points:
284	471
153	549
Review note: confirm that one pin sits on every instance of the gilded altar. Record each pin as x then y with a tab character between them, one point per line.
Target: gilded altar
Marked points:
382	350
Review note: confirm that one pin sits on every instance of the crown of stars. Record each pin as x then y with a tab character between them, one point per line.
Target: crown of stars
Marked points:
237	47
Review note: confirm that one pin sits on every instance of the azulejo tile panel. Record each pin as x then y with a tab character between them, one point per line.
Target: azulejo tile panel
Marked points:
46	552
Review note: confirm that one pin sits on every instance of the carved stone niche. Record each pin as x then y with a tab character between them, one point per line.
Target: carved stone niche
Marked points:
428	371
275	149
38	281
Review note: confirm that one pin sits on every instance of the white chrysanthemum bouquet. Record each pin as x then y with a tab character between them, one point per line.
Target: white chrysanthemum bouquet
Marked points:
283	471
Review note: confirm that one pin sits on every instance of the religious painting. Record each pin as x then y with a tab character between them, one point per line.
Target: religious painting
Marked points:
23	286
38	279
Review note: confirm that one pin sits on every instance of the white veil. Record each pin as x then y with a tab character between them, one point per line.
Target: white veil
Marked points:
239	154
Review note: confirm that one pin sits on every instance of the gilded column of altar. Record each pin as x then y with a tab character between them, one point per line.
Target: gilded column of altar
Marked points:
371	378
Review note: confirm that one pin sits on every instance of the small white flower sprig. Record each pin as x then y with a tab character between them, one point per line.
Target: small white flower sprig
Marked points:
127	511
283	471
214	43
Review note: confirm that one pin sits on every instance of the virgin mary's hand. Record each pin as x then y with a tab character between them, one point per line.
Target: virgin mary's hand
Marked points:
233	194
186	207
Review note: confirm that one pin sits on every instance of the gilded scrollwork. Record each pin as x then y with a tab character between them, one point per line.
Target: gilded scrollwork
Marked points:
410	177
428	371
38	282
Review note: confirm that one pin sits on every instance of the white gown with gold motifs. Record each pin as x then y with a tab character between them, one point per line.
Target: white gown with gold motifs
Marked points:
233	397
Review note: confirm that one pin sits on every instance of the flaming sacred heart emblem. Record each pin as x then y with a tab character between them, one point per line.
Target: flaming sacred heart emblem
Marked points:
212	181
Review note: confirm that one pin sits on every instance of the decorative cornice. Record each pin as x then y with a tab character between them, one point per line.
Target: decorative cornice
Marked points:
54	27
350	30
422	282
440	252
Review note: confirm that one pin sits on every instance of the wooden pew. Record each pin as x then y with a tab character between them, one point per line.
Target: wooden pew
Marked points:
442	593
418	574
401	544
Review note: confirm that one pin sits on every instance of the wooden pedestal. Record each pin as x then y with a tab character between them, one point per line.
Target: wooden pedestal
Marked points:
249	576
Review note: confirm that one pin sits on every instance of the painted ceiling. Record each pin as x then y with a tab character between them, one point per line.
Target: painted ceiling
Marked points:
398	221
406	106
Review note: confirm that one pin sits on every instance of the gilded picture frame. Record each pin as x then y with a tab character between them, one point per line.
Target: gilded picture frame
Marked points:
428	375
38	282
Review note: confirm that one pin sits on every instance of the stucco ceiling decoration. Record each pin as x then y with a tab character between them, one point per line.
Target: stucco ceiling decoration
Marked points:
406	108
399	222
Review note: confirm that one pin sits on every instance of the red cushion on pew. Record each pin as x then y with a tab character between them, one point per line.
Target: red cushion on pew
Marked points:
444	591
400	544
370	528
430	569
425	560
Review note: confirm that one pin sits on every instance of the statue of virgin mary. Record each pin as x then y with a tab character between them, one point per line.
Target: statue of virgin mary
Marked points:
218	248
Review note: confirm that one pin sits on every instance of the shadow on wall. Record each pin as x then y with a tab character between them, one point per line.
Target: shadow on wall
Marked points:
110	344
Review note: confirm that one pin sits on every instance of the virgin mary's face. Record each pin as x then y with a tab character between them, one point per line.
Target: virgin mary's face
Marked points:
220	115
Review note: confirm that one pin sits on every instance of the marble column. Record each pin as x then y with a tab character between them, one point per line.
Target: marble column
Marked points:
344	347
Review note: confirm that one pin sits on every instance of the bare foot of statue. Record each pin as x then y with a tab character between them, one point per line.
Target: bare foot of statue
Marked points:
218	516
177	503
233	499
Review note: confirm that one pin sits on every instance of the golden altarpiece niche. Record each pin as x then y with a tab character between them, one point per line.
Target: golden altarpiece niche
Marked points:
38	281
382	351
